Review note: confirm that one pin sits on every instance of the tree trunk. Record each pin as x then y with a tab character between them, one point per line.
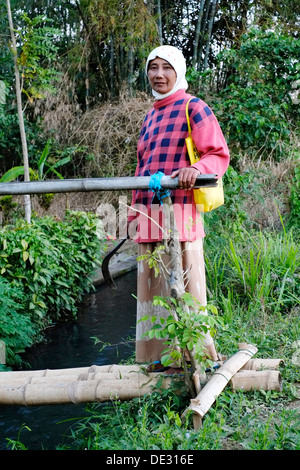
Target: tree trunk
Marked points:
87	78
210	25
159	21
197	33
112	65
27	201
202	33
130	76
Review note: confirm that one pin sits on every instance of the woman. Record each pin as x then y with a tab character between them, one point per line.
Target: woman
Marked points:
161	147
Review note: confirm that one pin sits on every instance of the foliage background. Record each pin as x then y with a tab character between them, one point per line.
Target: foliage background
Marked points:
83	61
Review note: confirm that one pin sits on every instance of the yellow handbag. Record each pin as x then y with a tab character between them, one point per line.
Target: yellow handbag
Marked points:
206	199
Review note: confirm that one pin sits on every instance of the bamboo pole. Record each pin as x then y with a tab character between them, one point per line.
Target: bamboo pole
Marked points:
257	368
82	391
263	364
5	377
102	383
257	380
175	279
207	396
2	353
27	201
176	283
18	381
97	184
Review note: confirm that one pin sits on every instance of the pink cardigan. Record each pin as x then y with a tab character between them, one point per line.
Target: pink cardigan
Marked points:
161	147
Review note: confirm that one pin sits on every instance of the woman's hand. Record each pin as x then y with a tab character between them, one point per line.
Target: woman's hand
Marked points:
186	177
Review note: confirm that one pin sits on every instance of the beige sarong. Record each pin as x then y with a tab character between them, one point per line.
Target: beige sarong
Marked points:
148	286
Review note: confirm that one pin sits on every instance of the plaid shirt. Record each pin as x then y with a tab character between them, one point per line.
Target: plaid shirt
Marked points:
161	147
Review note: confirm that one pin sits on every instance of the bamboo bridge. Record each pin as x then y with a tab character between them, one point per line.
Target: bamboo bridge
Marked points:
103	383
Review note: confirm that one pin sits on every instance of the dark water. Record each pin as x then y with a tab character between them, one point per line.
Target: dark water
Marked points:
107	314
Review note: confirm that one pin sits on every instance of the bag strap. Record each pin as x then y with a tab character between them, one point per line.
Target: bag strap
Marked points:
187	117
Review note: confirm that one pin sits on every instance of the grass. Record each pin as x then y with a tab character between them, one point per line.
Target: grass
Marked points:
238	420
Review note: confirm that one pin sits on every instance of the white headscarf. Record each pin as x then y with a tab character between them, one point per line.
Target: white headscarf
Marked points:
175	57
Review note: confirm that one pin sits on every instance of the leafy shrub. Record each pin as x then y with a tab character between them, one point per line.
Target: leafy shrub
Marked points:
256	108
15	326
50	263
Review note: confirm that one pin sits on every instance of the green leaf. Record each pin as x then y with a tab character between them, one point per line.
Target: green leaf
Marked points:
144	318
171	328
12	174
151	334
166	359
24	244
43	158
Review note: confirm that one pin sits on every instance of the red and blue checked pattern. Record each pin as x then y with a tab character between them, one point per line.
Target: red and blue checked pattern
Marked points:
161	145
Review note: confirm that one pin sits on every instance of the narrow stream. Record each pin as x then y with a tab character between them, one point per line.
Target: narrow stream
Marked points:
107	314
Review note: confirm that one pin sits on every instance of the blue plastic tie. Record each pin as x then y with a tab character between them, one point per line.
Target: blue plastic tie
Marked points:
155	186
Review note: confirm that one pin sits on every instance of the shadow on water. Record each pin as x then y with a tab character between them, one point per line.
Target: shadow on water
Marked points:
107	314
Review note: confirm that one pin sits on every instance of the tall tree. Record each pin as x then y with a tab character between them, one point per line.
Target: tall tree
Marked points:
209	32
27	201
124	30
197	33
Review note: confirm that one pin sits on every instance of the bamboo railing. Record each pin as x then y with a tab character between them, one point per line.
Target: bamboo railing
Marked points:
97	184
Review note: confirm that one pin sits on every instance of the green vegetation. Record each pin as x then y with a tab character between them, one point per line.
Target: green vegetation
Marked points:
252	421
46	267
253	280
184	328
256	106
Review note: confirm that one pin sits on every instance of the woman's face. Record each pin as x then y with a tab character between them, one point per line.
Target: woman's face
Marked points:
161	75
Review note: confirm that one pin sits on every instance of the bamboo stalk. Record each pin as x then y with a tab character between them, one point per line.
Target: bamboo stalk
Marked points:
102	383
51	379
81	391
2	353
263	364
207	396
27	201
257	380
197	383
111	368
176	283
256	369
97	184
